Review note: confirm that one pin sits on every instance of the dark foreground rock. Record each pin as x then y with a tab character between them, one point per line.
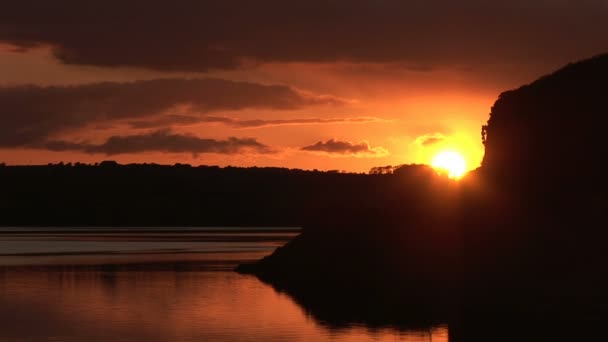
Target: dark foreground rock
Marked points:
517	247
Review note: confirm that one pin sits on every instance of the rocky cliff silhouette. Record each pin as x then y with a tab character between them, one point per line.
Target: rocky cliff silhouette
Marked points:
536	211
552	129
518	244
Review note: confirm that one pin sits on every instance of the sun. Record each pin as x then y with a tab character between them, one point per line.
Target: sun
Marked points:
450	162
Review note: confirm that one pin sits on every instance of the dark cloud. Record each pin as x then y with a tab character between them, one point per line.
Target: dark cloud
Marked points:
432	141
175	120
166	121
226	34
345	147
30	114
161	141
428	140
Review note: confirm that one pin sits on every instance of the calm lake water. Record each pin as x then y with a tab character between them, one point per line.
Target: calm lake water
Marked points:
154	284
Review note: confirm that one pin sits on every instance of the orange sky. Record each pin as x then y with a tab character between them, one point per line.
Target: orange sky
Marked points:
333	95
442	104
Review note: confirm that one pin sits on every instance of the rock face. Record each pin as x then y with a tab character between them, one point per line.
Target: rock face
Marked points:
544	173
552	129
534	219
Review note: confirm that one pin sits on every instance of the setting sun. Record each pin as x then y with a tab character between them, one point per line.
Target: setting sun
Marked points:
450	162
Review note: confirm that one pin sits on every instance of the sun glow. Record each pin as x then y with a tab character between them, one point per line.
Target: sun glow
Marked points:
451	163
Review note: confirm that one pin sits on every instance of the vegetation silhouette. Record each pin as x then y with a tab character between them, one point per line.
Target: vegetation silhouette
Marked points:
514	251
110	194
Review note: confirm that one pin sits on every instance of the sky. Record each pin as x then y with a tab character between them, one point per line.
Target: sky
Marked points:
318	84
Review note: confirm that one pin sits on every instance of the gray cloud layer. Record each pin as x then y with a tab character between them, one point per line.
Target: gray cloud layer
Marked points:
160	141
428	140
29	115
222	34
335	146
238	123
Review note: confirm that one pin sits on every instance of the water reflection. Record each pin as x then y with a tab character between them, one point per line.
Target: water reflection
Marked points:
135	305
149	296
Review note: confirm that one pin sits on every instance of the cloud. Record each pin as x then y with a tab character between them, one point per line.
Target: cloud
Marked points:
176	120
428	140
194	35
161	141
165	121
31	114
334	146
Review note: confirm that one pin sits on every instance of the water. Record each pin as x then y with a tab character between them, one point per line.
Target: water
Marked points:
153	284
